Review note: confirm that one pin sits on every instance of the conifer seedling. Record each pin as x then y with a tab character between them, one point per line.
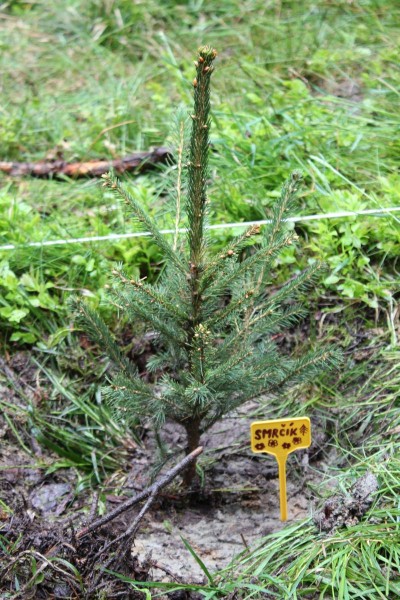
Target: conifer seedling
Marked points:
211	311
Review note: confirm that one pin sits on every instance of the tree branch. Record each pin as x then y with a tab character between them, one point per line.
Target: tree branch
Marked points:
58	169
150	491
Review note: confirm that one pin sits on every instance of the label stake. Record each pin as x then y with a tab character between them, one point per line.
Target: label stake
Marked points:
280	437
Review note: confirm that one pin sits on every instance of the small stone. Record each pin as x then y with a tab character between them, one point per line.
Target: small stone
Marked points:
48	497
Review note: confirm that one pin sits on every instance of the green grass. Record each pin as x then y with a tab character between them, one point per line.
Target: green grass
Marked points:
361	561
71	421
310	85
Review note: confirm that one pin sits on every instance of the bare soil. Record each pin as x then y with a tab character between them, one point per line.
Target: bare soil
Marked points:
237	503
234	505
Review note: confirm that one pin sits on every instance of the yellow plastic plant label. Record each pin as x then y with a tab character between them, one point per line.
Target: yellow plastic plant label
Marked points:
280	437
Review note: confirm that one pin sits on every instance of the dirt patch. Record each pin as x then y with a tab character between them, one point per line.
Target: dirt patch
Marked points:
236	504
348	88
347	510
216	535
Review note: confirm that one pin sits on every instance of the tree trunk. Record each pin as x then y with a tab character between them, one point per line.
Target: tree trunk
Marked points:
193	441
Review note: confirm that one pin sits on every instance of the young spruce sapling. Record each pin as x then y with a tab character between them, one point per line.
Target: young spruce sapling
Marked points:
214	318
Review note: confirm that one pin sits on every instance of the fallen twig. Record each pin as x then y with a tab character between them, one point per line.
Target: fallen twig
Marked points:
93	508
150	491
139	162
124	541
126	538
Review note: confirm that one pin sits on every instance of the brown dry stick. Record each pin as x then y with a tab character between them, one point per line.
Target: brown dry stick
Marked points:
56	169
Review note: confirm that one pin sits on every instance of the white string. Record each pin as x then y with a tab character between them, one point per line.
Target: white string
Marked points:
119	236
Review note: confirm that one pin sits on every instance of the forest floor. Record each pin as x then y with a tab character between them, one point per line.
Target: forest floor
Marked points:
238	504
184	535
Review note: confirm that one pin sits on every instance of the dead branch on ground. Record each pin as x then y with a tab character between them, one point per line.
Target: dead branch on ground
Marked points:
138	162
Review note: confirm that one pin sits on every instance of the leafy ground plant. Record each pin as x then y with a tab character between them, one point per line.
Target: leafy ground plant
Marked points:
212	314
